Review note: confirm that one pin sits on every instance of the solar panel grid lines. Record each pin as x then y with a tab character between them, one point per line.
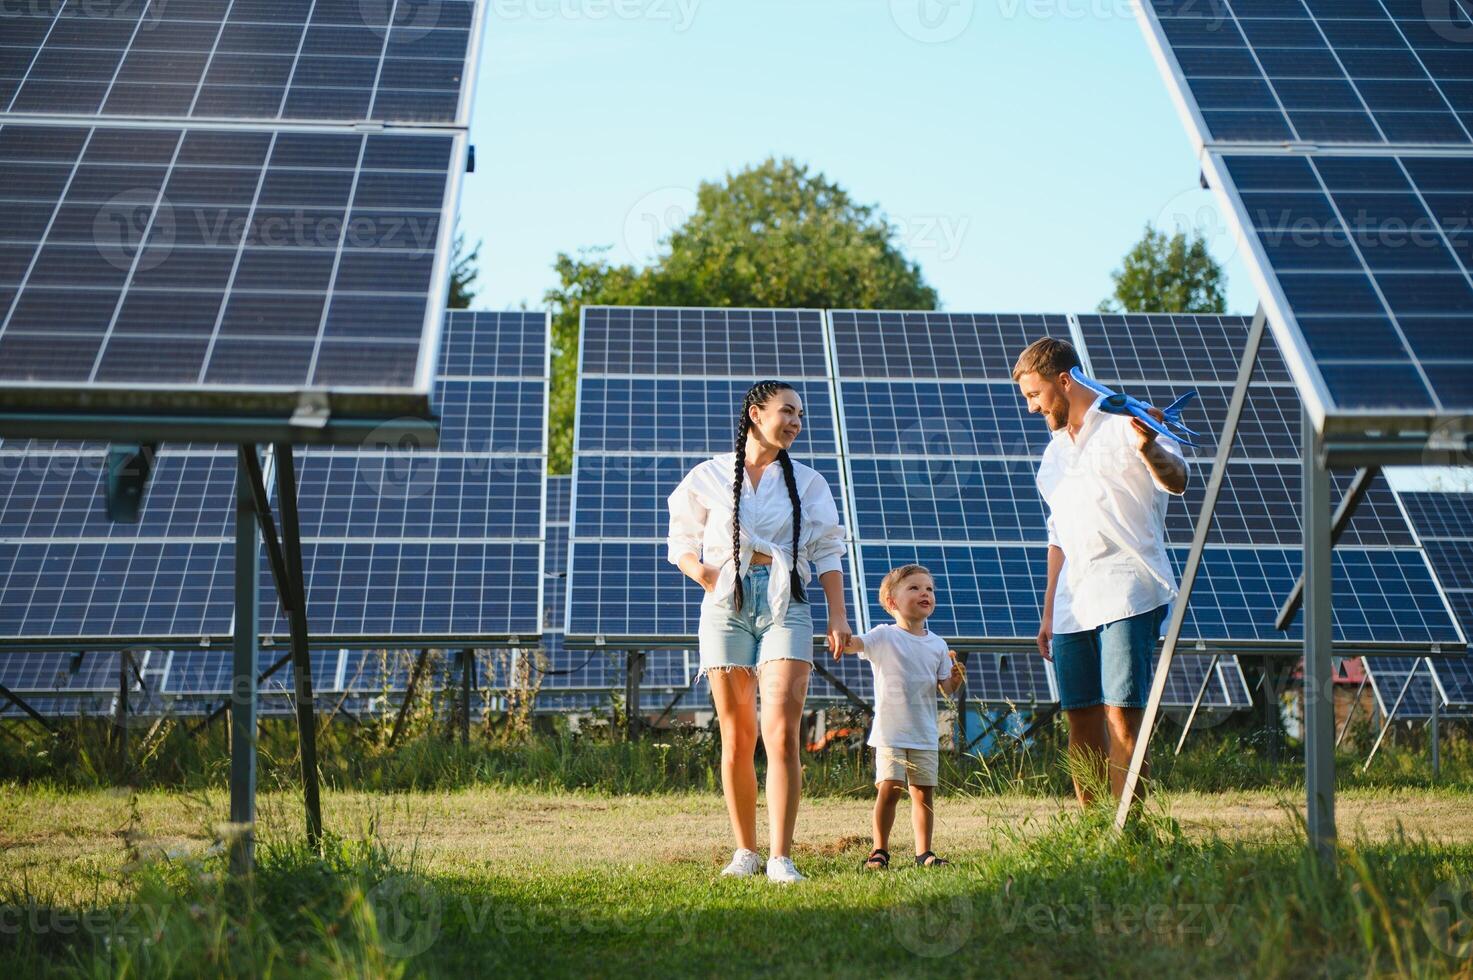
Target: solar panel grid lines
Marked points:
1337	138
421	547
1389	683
1372	259
1440	520
197	179
177	247
731	343
328	61
659	390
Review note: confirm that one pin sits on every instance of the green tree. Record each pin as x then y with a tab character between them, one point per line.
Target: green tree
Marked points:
1167	275
773	235
463	273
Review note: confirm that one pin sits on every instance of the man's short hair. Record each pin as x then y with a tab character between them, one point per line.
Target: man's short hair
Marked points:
1048	357
894	577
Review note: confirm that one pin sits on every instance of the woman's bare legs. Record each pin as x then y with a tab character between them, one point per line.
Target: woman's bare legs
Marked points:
735	694
784	686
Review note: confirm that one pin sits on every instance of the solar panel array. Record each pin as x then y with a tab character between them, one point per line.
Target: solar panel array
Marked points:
210	206
440	547
412	547
1443	521
1385	592
1339	134
941	455
71	578
659	390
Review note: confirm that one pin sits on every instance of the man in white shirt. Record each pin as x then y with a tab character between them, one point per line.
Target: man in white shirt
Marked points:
1107	480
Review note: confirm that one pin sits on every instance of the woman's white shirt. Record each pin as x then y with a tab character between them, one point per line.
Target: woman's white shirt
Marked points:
700	524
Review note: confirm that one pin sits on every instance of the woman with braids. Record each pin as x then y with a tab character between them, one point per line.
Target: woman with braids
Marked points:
754	535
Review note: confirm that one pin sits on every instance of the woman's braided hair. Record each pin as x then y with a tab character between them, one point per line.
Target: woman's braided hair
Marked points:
758	395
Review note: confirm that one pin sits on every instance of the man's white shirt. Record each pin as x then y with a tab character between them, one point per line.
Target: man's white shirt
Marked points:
1107	512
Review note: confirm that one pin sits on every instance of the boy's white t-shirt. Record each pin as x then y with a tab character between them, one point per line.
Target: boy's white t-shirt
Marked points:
907	668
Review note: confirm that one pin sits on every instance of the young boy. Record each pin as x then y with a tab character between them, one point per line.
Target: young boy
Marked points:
909	663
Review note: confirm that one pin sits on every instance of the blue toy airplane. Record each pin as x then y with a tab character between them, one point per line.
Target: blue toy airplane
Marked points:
1121	404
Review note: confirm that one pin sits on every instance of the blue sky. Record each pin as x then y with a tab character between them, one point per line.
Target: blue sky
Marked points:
1019	145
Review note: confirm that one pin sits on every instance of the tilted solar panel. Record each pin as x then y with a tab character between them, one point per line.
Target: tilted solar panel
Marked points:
334	60
1323	71
1337	137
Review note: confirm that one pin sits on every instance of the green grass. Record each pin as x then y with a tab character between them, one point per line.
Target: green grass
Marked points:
1061	895
548	852
682	759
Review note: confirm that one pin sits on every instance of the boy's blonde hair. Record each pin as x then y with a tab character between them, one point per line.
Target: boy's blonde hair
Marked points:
894	577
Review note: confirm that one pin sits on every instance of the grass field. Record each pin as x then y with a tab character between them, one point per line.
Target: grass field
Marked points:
519	882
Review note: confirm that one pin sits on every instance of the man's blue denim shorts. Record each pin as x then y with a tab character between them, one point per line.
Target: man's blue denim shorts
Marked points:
749	638
1110	664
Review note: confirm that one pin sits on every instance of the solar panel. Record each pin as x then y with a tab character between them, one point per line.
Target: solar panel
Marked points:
740	343
1268	429
625	496
559	499
26	673
60	495
423	547
1324	71
686	415
1372	257
1440	514
1382	597
376	61
1441	522
146	592
939	418
173	266
939	499
907	345
1337	137
1226	688
659	391
1388	676
1260	504
1453	560
1175	348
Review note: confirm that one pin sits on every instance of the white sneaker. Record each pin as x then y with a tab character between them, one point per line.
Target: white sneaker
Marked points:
781	870
744	864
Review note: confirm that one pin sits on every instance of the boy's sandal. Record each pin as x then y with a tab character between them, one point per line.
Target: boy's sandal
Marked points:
878	860
930	860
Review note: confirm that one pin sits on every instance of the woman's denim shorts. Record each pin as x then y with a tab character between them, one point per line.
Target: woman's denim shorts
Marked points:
750	638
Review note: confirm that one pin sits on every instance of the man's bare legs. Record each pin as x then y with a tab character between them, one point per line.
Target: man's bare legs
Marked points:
1097	735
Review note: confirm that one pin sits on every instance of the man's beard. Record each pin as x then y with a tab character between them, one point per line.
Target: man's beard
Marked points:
1056	420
